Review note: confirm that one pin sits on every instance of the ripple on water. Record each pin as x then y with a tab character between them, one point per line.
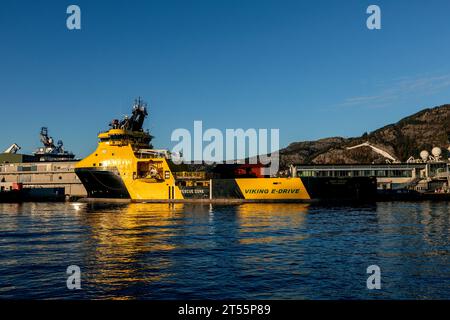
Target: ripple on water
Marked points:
249	251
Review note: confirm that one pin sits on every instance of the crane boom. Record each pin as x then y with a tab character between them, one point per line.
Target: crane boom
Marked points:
376	149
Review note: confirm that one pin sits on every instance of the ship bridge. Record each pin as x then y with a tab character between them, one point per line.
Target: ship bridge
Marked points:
129	130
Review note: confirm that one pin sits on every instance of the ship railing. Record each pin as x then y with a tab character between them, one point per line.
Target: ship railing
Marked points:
118	143
190	175
441	175
152	153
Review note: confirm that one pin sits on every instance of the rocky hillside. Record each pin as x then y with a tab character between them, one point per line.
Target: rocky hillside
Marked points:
423	130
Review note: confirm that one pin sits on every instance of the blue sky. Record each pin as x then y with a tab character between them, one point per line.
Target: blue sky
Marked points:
310	68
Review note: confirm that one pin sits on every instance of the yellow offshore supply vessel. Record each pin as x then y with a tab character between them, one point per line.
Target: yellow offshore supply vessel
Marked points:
125	166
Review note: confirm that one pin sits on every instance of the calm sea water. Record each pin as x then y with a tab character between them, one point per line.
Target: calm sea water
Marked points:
250	251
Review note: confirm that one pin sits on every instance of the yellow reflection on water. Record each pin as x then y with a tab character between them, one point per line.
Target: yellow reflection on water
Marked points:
134	226
256	220
129	243
123	234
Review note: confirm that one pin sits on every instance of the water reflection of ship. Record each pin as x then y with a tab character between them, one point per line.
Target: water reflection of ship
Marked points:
264	223
140	244
124	235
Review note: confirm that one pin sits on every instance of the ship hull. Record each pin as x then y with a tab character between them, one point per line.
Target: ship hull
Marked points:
33	195
102	183
108	184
